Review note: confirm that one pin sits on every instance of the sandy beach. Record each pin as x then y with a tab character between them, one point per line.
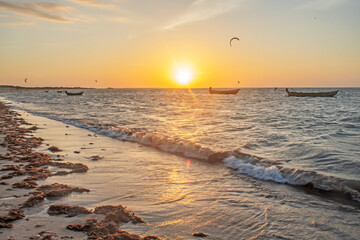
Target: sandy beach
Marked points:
35	201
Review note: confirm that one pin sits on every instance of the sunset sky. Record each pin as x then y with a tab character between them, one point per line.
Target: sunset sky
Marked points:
145	43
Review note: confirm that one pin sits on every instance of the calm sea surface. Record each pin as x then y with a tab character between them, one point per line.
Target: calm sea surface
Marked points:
299	155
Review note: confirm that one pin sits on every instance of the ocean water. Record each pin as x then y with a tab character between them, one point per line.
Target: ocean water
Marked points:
293	163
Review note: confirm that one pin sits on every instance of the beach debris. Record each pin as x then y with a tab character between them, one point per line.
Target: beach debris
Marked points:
200	234
70	211
51	191
14	214
77	152
76	167
33	128
5	225
62	173
25	184
96	158
54	149
105	230
33	200
17	172
11	168
43	235
117	214
59	190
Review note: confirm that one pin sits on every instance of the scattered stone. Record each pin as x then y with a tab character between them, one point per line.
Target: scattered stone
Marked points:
200	234
70	211
33	128
14	214
25	184
102	230
43	235
117	214
151	238
61	173
34	200
58	190
77	152
54	149
76	167
11	168
95	158
5	225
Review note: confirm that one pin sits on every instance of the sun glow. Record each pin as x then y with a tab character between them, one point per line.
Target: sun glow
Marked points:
183	75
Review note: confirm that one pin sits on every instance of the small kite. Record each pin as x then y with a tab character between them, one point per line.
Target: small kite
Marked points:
234	38
25	80
95	80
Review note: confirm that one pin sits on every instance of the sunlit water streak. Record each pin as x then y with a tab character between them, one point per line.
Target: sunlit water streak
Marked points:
260	133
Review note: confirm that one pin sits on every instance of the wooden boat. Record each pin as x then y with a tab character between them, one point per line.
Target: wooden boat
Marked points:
314	94
232	91
74	93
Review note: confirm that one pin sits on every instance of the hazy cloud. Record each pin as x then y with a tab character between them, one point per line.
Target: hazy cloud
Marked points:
91	2
322	4
44	10
13	21
118	19
203	9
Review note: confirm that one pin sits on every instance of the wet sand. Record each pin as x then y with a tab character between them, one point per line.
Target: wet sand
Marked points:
31	206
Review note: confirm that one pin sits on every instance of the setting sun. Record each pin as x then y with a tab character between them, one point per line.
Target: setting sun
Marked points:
183	75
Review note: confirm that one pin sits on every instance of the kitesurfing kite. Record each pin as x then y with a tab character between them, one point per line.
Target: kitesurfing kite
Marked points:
234	38
25	80
95	80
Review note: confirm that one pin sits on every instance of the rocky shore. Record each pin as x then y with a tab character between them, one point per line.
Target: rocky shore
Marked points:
23	169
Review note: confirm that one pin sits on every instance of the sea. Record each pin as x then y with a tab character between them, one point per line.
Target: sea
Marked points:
255	165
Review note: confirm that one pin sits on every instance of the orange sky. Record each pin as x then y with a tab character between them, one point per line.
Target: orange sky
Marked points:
139	43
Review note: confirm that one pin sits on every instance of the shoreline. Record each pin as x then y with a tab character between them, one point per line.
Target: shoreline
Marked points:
27	193
14	89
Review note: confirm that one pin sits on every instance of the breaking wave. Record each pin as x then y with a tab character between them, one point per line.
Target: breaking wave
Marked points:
241	162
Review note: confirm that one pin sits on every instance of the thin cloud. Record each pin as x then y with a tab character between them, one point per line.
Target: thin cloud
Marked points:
202	10
91	2
322	4
118	19
13	21
43	10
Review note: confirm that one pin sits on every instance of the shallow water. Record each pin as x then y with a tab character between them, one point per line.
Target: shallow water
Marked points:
254	135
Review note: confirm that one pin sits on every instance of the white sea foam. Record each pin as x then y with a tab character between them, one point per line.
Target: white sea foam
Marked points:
260	172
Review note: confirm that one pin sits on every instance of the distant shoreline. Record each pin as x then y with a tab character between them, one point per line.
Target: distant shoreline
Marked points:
9	88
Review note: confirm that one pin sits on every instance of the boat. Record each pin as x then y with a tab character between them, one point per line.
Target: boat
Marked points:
311	94
232	91
74	93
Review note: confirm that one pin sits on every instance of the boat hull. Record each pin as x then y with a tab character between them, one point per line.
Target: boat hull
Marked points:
73	94
316	94
233	91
